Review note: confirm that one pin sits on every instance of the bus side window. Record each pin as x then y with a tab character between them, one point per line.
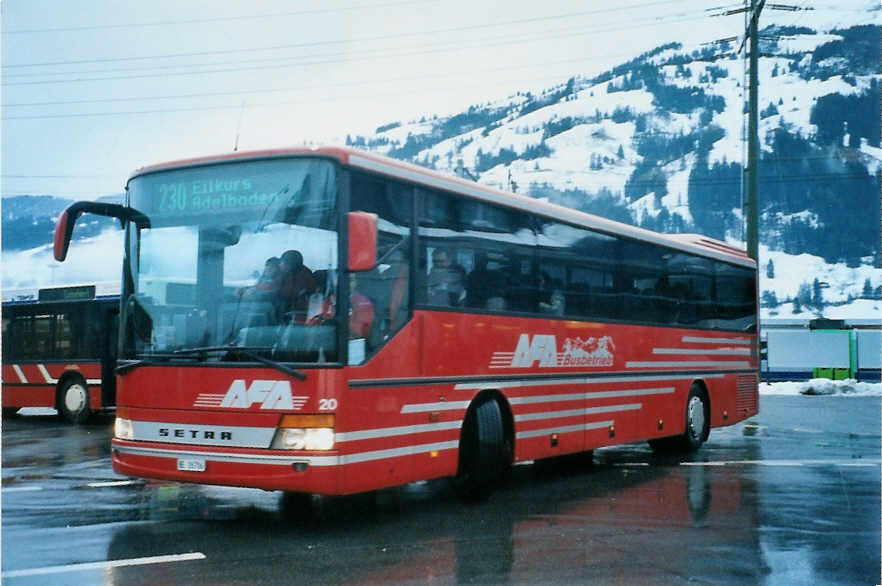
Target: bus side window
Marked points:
387	287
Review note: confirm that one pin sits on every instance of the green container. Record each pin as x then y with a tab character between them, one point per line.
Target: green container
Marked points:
819	372
840	374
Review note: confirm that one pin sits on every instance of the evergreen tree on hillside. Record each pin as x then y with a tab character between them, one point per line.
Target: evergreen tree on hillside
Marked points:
817	294
713	193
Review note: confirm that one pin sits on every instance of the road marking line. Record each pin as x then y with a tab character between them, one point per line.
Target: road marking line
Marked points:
113	483
160	559
705	463
785	463
22	488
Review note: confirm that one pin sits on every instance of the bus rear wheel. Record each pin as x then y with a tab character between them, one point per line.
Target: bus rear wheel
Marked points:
697	426
482	453
73	400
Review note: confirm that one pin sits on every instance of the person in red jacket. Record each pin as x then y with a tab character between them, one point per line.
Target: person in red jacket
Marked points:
361	311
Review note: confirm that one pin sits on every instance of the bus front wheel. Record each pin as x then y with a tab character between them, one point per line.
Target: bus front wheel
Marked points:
481	451
73	400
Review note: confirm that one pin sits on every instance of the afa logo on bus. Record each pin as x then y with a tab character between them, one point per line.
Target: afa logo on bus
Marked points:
543	348
269	394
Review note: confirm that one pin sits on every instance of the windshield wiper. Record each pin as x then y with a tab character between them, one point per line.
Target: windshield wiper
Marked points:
127	366
249	351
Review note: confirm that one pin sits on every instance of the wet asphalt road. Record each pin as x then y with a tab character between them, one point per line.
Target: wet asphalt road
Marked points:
791	497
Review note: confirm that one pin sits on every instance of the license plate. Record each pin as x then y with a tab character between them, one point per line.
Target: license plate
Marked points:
191	464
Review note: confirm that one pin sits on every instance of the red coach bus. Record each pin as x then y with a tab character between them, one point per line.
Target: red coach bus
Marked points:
407	325
59	351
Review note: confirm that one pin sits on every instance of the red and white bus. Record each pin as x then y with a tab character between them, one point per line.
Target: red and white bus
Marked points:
501	329
59	351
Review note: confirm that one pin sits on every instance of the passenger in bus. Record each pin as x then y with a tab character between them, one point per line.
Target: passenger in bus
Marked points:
267	285
297	284
361	311
551	299
486	286
445	282
398	273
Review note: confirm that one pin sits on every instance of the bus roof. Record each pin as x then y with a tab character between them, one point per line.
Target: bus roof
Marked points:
692	243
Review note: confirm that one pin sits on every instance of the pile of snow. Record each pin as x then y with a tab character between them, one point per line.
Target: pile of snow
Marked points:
822	386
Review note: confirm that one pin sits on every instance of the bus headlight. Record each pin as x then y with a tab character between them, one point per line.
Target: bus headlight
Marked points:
122	429
305	432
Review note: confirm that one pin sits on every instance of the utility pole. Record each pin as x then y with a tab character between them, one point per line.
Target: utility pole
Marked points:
751	204
753	154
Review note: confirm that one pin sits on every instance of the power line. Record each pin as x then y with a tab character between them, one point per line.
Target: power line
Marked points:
519	40
446	45
18	176
324	85
217	18
356	40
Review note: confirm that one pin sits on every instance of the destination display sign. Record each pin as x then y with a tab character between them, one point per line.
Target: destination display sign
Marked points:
207	195
246	187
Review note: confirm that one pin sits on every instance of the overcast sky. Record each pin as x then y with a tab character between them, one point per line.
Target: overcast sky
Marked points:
92	90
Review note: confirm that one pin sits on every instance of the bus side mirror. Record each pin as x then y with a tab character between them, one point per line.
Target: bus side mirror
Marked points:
362	241
64	227
63	231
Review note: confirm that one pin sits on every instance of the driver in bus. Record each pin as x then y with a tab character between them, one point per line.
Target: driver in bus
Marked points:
297	285
268	284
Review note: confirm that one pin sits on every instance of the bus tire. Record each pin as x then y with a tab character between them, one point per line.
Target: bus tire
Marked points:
481	452
697	427
697	420
73	400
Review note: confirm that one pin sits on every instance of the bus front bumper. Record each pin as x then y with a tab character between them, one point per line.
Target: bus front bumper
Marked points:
265	469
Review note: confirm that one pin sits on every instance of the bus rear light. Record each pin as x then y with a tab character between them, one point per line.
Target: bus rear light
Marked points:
305	432
122	429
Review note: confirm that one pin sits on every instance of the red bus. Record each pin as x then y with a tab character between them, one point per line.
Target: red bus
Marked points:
59	351
407	325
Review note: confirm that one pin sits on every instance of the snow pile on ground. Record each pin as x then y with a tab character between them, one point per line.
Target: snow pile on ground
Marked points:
822	386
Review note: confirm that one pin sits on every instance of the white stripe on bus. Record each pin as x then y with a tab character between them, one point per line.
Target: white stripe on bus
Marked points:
594	380
565	429
21	375
697	340
46	375
684	364
590	396
698	351
349	436
440	406
578	412
273	460
54	381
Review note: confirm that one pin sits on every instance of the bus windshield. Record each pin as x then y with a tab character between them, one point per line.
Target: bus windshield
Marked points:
239	261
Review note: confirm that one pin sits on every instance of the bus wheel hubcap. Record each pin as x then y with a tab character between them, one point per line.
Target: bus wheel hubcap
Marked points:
696	417
75	398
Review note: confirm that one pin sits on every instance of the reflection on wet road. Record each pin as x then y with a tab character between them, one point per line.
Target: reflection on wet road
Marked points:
790	497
